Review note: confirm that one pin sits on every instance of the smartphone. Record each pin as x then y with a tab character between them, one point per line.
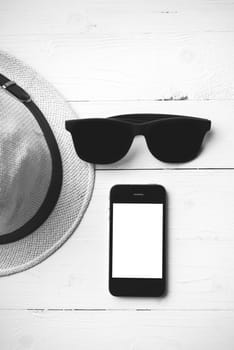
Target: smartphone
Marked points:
137	265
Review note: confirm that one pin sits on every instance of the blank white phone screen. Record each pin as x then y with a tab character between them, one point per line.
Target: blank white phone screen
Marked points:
137	240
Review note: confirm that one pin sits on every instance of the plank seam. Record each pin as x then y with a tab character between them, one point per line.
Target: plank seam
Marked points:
162	169
115	310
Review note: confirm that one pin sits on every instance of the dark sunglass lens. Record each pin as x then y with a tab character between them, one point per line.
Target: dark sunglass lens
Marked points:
100	141
177	140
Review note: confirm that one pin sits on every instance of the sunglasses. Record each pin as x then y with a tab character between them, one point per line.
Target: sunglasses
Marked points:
170	138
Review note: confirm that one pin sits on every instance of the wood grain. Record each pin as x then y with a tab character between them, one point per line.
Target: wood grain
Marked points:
110	16
143	66
117	330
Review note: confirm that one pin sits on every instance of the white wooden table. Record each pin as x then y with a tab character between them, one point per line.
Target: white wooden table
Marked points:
109	57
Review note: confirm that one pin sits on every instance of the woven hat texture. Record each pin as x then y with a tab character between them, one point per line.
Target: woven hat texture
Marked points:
25	165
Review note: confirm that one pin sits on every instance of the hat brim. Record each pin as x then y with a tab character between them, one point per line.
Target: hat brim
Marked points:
78	176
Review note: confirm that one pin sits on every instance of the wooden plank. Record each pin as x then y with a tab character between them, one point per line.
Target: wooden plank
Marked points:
116	330
92	16
126	66
200	252
218	145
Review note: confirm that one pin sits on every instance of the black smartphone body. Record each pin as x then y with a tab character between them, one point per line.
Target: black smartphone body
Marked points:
137	254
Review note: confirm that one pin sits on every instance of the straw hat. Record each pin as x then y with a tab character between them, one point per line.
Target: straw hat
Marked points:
44	187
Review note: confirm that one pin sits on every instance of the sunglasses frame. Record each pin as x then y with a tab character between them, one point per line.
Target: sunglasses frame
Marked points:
140	124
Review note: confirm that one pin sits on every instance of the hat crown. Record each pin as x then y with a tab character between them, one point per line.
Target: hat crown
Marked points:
25	165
